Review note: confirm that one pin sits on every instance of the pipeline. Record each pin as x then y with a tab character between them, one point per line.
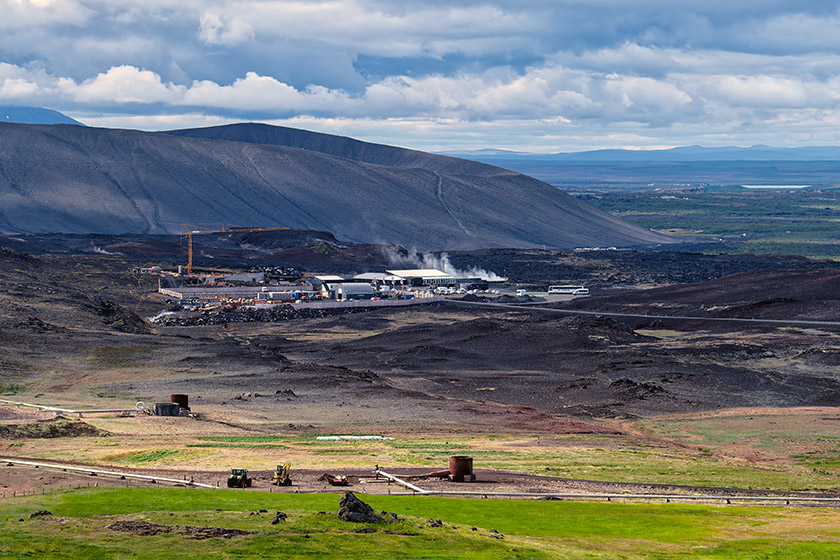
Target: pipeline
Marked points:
139	407
787	500
11	461
610	497
413	488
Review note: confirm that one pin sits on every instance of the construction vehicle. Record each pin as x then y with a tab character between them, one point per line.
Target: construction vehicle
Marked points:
281	475
239	479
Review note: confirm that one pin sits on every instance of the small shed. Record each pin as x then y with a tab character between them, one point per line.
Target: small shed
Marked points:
355	290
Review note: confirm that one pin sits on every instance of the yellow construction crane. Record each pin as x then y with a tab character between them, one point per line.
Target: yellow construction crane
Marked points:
191	229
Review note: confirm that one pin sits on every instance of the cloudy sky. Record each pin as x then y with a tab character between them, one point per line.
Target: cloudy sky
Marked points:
536	75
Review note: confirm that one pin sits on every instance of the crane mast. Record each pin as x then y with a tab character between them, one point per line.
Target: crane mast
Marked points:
191	229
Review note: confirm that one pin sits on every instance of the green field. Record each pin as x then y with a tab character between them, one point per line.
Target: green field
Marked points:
801	222
784	450
78	528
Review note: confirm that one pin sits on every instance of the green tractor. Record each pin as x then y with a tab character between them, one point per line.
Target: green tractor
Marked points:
239	479
281	475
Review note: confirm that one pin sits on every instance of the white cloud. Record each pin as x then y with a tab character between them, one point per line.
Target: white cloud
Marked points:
216	30
22	14
17	89
771	92
372	27
263	93
594	72
122	84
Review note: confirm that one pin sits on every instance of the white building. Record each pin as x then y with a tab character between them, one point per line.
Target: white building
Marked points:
424	277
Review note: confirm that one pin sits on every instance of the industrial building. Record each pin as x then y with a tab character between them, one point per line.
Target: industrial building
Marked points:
354	291
424	277
253	288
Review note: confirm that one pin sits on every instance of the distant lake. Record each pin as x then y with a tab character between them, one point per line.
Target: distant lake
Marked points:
775	186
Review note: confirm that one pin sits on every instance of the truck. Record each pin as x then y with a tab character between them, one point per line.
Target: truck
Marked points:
239	479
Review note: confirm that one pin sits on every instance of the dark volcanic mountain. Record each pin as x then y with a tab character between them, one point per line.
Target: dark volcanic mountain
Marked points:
34	115
72	179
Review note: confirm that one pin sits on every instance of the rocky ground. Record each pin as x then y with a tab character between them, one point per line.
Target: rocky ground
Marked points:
73	333
74	325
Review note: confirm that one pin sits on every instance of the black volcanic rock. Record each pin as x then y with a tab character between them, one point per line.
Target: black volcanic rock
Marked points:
71	179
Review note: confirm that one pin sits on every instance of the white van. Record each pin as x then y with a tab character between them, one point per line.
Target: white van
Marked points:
520	293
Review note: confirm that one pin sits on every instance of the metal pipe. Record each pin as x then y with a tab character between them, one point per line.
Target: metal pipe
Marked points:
408	485
39	406
624	496
107	473
570	496
137	408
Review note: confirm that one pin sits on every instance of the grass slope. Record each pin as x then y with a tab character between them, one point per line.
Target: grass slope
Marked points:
530	529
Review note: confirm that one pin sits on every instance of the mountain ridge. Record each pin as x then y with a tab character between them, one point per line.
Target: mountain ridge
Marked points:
695	153
34	115
60	178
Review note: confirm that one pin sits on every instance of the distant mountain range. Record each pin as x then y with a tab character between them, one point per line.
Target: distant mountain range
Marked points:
34	115
690	165
680	154
73	179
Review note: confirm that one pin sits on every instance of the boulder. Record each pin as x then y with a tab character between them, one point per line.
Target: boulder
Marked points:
354	510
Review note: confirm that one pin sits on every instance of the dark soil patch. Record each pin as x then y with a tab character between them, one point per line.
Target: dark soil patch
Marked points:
763	294
140	528
54	428
821	356
146	529
201	533
117	317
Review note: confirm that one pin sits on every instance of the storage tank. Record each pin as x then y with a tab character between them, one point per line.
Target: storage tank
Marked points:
461	469
182	400
167	409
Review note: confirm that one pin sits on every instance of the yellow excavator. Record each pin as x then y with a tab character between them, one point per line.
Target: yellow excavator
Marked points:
281	475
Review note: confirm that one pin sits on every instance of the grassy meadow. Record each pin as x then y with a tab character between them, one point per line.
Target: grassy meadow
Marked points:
79	528
761	221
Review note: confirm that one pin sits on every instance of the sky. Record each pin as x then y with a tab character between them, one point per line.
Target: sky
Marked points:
537	76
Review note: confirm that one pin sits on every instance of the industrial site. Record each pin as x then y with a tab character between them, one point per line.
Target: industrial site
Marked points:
245	386
205	370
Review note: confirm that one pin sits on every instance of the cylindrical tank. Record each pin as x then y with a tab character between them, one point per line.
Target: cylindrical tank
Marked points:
167	409
461	469
182	400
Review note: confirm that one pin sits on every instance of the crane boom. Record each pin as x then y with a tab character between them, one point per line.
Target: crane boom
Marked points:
191	229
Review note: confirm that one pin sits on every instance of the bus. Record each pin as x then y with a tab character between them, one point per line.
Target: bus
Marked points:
574	290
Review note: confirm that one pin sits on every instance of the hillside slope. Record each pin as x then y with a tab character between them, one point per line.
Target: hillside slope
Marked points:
34	115
77	180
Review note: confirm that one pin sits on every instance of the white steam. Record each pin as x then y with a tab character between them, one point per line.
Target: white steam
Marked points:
101	251
442	263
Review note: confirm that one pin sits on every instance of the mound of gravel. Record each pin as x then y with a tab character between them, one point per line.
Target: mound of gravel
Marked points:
54	428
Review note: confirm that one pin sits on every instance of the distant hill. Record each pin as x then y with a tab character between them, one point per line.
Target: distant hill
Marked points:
74	179
817	165
34	115
679	154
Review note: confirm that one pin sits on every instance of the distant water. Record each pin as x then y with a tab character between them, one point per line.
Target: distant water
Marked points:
775	186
